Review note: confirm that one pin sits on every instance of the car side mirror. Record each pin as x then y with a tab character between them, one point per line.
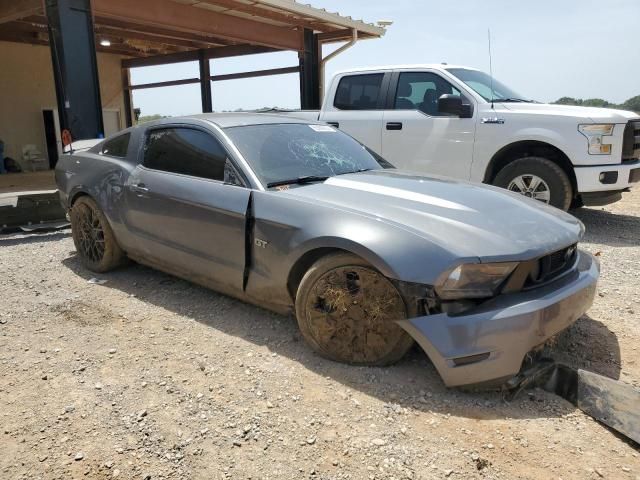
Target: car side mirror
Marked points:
452	105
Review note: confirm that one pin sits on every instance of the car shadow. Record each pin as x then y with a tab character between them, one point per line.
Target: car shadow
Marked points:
412	383
589	345
24	238
607	228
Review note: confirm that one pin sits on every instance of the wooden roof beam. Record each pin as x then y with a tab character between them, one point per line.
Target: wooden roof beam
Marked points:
12	36
30	32
11	10
129	30
339	36
192	56
110	32
132	30
255	10
180	17
206	40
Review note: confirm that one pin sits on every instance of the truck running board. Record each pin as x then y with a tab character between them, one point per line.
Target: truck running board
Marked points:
609	401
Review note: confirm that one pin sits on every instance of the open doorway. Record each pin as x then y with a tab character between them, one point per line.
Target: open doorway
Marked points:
50	137
111	121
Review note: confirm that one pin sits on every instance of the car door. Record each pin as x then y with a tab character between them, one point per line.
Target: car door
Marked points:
186	205
357	109
416	136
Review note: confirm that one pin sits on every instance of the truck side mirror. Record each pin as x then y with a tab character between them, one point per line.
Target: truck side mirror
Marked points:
452	105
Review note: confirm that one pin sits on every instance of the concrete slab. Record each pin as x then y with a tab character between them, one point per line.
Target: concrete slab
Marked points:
27	182
31	210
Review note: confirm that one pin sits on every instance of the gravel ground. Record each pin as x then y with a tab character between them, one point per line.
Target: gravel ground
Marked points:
149	377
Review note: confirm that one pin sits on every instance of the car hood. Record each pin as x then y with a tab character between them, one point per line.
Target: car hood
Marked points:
467	219
593	114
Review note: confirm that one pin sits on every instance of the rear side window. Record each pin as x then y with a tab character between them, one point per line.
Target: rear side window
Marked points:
116	147
359	92
186	151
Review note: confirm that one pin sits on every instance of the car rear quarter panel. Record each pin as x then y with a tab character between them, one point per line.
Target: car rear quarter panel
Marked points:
100	177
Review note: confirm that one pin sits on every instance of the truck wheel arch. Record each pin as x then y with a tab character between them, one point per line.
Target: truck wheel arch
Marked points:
529	148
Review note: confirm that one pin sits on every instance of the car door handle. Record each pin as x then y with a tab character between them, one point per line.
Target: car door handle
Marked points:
394	125
139	188
334	124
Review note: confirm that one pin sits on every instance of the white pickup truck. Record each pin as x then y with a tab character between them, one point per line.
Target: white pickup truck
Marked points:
458	122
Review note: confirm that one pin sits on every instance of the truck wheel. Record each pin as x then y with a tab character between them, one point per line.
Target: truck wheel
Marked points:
93	237
537	178
347	310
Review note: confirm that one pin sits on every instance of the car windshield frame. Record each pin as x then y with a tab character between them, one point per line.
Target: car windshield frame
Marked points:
473	78
291	153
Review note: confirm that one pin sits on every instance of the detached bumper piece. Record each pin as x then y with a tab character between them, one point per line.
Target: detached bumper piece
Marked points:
31	211
609	401
488	344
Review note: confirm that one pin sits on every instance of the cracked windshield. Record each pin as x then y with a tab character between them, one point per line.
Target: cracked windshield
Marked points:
284	154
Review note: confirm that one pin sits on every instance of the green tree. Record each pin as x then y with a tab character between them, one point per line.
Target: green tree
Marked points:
150	118
632	104
596	102
568	101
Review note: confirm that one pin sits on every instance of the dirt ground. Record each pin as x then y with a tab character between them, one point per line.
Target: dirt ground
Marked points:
149	377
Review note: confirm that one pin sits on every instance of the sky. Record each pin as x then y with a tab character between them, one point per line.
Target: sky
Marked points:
543	49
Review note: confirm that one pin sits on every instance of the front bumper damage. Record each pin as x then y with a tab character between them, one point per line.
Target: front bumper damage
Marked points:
488	343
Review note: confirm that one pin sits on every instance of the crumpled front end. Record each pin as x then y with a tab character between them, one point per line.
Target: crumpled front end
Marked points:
488	343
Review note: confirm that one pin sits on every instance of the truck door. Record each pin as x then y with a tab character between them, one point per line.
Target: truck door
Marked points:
357	106
416	136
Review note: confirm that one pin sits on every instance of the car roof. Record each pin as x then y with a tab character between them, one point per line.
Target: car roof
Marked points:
237	119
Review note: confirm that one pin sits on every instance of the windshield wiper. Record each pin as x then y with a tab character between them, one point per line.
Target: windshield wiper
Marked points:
356	171
511	100
299	181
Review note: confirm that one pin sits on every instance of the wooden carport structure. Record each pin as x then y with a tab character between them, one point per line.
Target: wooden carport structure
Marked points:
156	32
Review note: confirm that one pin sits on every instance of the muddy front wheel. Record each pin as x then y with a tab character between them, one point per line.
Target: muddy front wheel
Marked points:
93	237
347	312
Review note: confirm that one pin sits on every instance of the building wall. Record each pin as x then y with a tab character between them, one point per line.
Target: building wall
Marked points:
27	87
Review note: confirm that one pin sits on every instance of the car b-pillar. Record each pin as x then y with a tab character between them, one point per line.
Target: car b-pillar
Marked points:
75	68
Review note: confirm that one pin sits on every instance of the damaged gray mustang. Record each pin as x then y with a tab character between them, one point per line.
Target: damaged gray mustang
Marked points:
293	215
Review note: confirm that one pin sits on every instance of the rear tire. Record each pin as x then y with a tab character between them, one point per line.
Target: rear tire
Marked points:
551	183
346	311
94	240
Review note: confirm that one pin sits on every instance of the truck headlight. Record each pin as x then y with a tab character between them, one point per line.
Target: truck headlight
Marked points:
474	280
595	134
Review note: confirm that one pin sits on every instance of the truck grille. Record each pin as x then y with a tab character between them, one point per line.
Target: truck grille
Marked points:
631	142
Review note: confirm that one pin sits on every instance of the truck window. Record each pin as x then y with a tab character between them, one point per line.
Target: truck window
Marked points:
359	92
421	91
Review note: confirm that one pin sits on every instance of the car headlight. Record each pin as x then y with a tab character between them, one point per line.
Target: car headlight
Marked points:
595	134
474	280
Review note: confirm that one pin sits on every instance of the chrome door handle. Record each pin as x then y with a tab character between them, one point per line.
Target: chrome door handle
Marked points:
494	120
139	188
